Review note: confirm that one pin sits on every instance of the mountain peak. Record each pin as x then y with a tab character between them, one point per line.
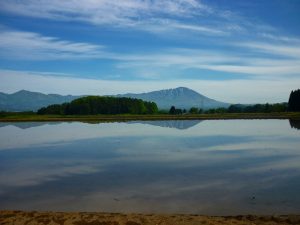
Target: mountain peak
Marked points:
22	92
184	90
180	97
179	89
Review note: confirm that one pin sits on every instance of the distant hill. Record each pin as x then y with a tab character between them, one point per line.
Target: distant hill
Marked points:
30	101
180	97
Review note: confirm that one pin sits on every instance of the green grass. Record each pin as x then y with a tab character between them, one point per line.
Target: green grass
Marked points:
23	117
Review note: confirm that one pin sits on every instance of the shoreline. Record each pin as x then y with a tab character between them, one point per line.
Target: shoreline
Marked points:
98	218
122	118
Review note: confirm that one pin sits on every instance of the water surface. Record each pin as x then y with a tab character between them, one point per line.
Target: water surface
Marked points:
206	167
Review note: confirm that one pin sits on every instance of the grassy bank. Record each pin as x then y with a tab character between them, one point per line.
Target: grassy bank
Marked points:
21	117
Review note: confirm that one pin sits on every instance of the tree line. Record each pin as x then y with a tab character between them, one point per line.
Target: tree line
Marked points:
92	105
237	108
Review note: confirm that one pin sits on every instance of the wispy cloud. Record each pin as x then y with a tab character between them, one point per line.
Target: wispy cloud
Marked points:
33	46
277	60
279	38
272	70
198	28
280	60
158	16
288	50
104	11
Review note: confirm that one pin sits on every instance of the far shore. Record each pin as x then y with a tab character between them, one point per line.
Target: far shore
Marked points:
92	218
16	117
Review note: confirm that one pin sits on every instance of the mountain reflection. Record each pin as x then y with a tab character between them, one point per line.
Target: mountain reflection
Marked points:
177	124
295	124
26	125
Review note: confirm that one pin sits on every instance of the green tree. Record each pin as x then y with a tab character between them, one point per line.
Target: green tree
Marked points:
193	110
294	101
178	111
234	109
172	110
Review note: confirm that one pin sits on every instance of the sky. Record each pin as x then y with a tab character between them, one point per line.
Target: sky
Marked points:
233	51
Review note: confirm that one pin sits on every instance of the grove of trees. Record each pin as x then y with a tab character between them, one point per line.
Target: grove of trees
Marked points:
92	105
258	108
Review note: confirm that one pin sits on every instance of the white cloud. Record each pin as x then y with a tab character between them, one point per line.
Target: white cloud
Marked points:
274	65
279	38
125	12
158	16
266	70
291	50
166	26
233	91
29	45
204	29
279	59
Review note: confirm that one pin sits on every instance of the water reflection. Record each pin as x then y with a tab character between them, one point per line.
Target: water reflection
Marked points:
215	167
26	125
178	124
295	124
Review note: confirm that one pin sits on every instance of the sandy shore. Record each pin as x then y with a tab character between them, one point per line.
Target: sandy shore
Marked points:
62	218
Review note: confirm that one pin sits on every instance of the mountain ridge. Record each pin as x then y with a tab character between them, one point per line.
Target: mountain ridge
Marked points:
24	100
180	97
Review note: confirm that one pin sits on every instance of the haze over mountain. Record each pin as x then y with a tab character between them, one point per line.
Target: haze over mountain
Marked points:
30	101
180	97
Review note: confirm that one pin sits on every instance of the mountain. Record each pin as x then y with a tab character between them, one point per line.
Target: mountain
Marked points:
30	101
180	97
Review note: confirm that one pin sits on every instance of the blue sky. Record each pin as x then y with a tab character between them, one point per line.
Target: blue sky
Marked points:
233	51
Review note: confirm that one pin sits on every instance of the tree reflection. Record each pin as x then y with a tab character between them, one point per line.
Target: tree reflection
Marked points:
295	124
